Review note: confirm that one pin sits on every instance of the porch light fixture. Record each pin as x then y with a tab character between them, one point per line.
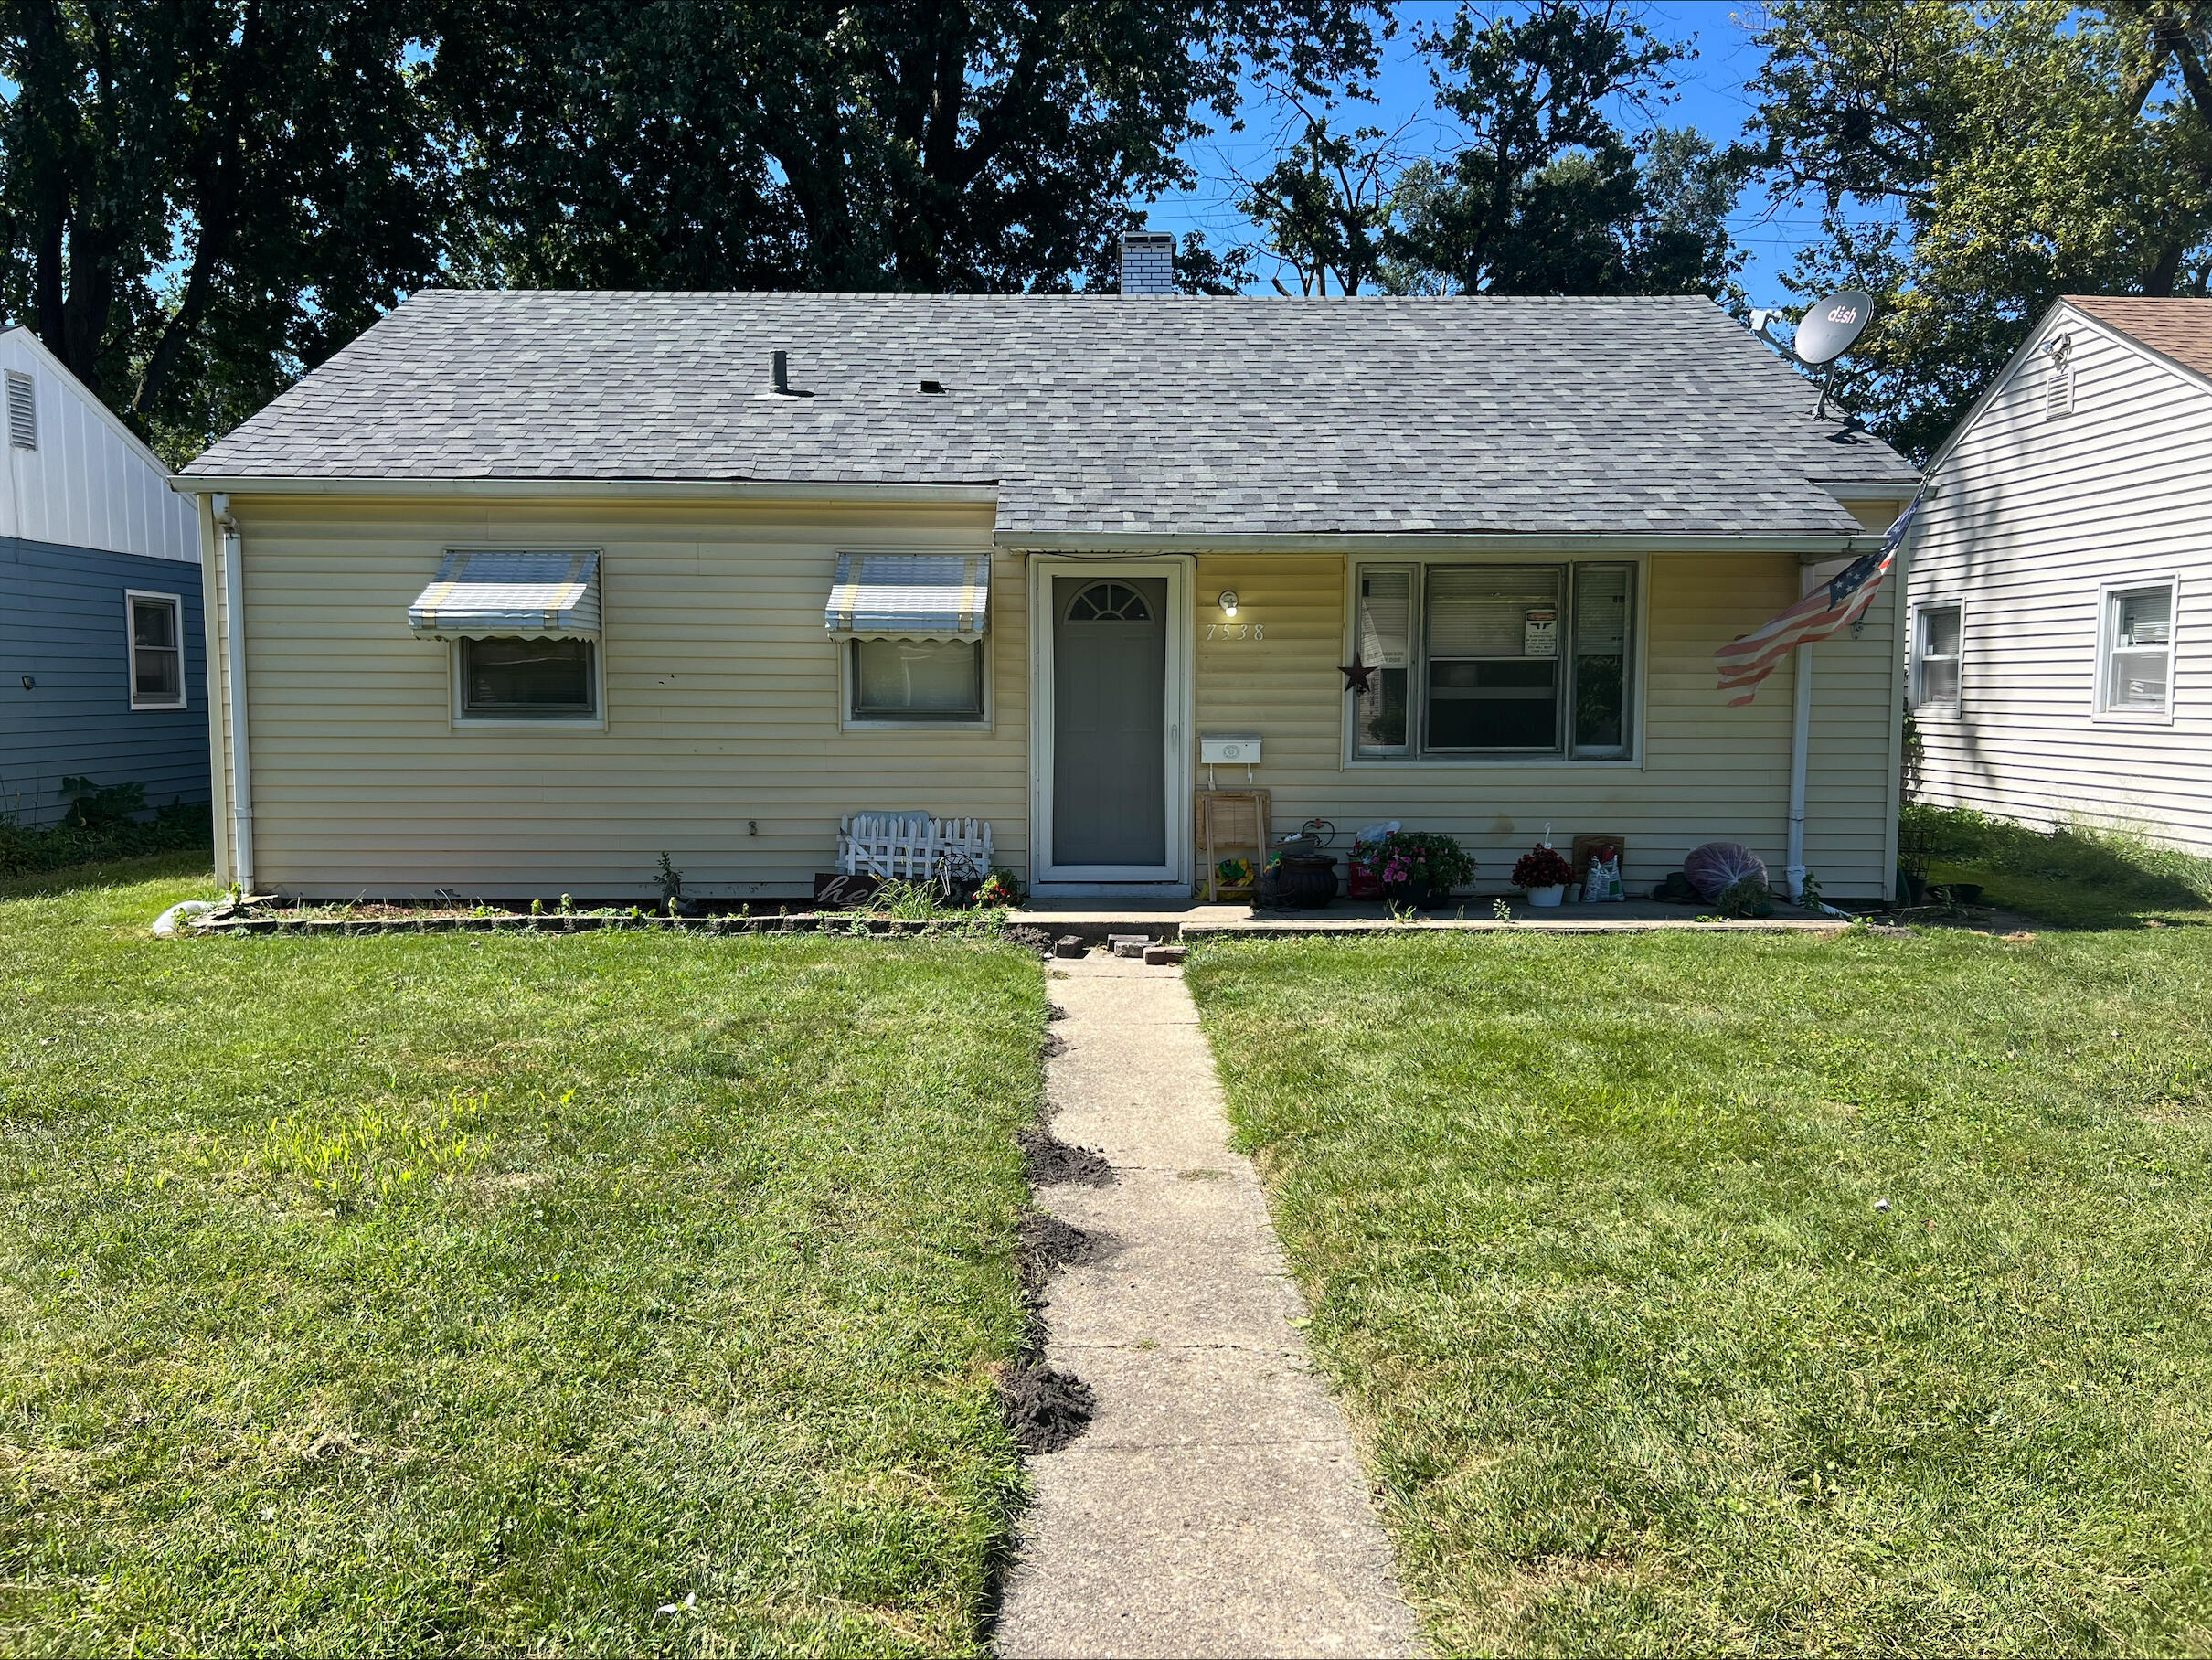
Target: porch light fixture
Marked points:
1228	601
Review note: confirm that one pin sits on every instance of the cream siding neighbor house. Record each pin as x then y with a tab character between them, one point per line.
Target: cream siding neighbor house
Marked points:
522	590
2061	637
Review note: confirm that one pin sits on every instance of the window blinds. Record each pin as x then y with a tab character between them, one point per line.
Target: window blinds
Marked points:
1481	610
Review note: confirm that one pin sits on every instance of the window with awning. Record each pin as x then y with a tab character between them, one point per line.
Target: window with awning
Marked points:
912	625
513	594
909	596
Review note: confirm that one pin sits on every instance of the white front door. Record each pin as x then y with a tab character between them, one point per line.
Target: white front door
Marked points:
1109	691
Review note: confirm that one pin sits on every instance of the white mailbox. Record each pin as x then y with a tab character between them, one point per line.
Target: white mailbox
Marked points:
1230	749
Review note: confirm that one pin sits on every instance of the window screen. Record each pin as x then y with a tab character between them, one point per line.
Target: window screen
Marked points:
157	656
918	679
2138	650
527	679
1383	640
1493	657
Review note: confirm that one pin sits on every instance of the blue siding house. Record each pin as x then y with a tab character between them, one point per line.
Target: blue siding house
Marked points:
102	644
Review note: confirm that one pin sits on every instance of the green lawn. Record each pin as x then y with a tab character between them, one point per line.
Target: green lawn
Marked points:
1592	1232
2073	876
476	1293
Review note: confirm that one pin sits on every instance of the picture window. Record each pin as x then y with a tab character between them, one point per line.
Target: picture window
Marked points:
1495	661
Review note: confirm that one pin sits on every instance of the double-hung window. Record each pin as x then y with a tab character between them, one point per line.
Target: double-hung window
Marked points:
1935	659
157	624
2135	651
1508	662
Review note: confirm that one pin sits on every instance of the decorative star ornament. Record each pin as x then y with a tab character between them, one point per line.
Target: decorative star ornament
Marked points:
1355	674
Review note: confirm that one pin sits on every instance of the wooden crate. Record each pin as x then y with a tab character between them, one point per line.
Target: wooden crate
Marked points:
1229	824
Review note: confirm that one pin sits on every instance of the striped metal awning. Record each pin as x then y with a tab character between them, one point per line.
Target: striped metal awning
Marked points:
909	596
511	593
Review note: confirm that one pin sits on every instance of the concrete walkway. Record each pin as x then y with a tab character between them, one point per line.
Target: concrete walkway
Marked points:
1217	1504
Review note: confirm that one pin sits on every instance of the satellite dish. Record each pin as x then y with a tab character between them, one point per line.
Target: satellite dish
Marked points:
1829	328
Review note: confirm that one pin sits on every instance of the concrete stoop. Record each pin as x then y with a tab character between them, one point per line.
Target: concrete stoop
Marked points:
1216	1505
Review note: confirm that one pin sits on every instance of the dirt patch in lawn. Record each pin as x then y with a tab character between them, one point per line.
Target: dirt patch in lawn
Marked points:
1048	1243
1047	1409
1052	1161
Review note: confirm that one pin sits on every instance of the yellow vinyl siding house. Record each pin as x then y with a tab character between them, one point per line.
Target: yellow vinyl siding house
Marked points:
1537	517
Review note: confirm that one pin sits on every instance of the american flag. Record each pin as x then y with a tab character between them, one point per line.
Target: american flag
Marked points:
1747	660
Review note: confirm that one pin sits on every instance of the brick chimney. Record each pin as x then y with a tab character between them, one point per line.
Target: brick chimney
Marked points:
1148	262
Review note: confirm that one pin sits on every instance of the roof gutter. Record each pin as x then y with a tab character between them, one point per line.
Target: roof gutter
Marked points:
620	489
1811	544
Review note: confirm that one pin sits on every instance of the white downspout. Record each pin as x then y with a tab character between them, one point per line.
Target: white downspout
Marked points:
234	654
1801	742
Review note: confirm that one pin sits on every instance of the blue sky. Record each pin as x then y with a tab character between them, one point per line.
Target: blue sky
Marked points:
1710	97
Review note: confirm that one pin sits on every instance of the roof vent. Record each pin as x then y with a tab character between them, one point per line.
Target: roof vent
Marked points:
779	371
22	411
934	387
1148	262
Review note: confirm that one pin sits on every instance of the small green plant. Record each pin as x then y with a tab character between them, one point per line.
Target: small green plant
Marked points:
1744	899
567	904
1809	894
1501	909
537	908
670	881
94	807
1002	887
909	902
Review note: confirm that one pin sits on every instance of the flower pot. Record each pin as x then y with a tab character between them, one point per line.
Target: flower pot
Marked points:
1547	896
1305	882
1415	896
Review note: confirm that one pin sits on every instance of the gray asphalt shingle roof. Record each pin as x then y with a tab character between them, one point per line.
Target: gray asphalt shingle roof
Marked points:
1093	414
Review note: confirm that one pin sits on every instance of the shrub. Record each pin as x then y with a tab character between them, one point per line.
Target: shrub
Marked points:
29	850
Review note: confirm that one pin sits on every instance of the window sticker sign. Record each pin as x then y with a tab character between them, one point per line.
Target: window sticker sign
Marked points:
1540	633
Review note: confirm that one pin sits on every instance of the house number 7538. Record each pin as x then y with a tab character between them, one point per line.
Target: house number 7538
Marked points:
1236	631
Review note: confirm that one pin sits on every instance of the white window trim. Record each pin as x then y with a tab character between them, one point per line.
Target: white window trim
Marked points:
2099	714
130	640
1939	711
1349	757
981	725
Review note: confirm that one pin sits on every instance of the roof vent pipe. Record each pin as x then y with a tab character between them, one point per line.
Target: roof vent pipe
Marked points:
1148	262
779	371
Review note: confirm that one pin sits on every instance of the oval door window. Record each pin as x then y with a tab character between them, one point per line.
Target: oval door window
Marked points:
1109	603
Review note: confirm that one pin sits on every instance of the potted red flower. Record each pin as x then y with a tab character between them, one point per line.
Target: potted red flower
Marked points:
1543	873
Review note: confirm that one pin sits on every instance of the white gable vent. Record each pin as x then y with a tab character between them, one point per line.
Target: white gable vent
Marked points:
2058	391
22	411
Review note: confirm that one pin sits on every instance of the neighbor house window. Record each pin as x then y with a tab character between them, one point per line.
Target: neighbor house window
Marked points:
918	679
519	679
1935	662
1505	660
2135	670
156	622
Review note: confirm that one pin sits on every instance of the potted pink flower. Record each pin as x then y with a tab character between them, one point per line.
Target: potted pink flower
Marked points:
1543	873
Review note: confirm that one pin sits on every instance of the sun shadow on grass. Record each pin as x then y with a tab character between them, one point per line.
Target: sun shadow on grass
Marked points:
2073	876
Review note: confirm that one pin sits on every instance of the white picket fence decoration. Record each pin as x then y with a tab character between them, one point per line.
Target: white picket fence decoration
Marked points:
907	847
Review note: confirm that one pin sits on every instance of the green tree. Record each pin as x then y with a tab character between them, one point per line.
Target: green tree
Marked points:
199	196
927	145
1971	162
1547	194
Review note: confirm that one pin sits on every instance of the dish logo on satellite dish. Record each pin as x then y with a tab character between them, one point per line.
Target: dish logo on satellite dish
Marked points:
1843	313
